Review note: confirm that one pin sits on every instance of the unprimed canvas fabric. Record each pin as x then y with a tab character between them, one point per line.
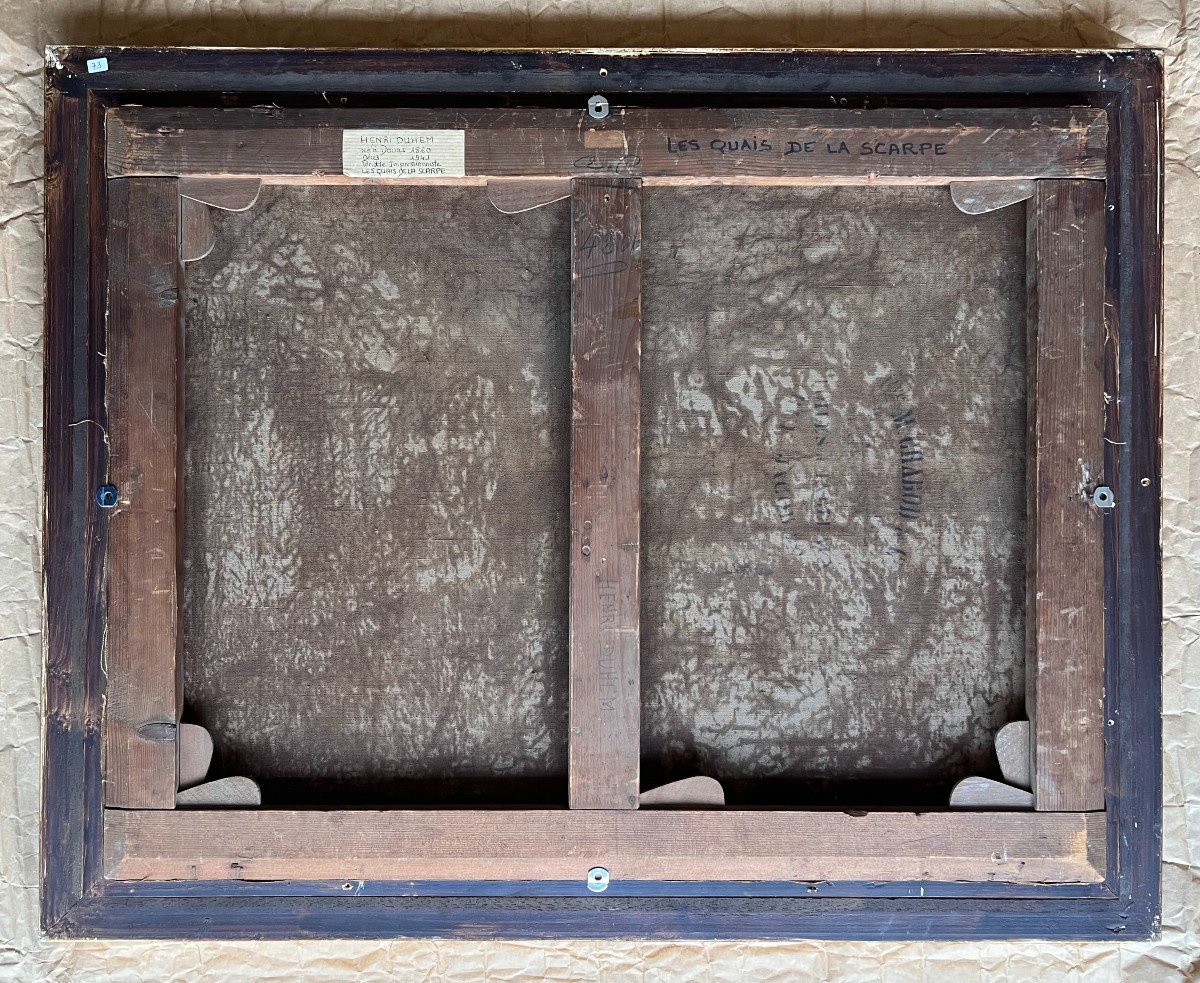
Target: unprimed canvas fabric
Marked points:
376	448
833	491
27	26
375	472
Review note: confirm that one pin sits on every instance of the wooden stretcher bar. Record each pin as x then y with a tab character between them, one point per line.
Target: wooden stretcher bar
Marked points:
1066	251
1065	609
606	326
540	845
794	146
143	331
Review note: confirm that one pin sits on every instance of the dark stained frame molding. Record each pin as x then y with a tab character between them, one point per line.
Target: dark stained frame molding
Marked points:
79	901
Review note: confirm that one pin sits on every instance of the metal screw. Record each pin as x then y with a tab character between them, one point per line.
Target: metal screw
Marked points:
1103	497
586	551
597	880
598	107
106	496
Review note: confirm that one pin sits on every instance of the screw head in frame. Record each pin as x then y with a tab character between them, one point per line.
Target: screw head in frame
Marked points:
598	107
597	880
1103	497
106	496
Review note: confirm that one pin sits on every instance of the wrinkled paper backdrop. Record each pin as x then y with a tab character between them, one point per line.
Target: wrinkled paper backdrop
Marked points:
27	25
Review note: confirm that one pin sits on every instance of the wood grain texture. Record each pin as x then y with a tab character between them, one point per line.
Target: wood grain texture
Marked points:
1065	666
633	846
1133	698
73	526
878	145
142	699
606	323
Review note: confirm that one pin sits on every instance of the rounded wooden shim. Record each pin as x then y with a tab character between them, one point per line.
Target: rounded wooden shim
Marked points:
234	792
685	793
196	235
978	197
195	754
983	793
227	194
1012	751
514	195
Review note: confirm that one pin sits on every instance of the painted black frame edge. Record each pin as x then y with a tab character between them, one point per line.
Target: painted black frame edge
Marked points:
73	455
500	72
76	902
108	916
782	892
1133	674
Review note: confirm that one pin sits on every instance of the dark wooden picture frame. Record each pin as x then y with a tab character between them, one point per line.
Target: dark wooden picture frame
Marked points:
140	143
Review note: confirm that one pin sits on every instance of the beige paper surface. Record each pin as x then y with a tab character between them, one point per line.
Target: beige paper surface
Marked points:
1169	24
404	153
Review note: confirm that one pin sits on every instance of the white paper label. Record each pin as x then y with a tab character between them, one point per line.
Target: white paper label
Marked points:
404	153
95	65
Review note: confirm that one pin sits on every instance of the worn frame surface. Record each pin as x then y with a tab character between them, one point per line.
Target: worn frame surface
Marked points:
77	897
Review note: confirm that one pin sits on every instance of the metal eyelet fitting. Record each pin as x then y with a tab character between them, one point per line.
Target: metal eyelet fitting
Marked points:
106	496
1103	497
598	107
597	880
